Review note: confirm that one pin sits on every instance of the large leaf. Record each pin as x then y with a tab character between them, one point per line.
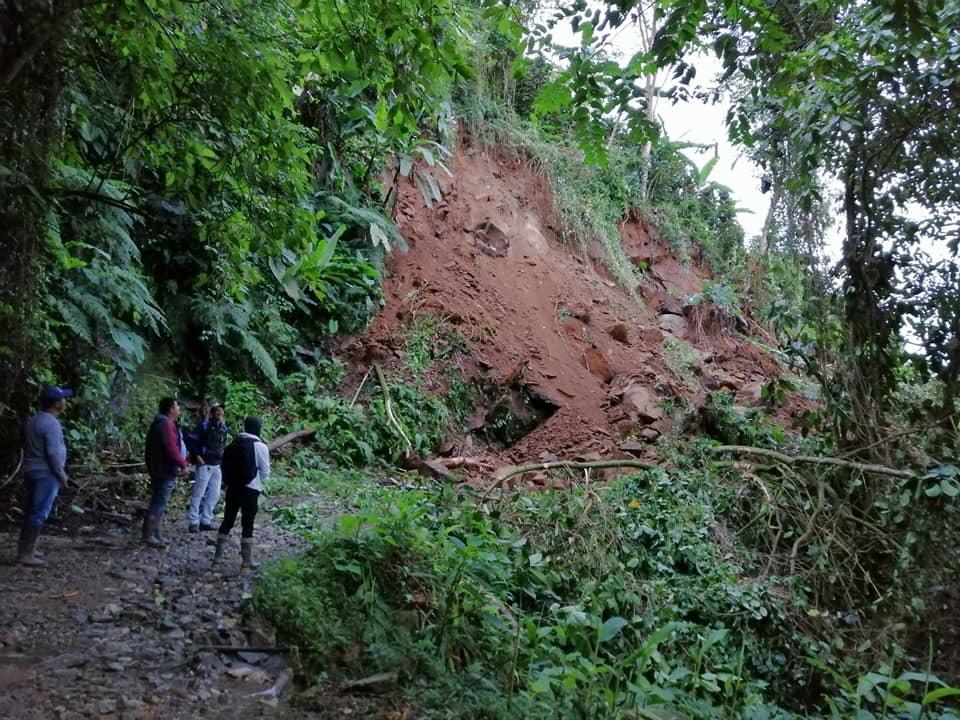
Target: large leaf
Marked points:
611	628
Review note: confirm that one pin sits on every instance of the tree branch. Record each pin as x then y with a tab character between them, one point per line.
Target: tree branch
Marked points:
813	460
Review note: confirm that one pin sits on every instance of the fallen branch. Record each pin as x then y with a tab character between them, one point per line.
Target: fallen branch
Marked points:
813	460
811	526
111	480
357	393
278	686
242	648
15	470
388	406
290	437
506	473
467	462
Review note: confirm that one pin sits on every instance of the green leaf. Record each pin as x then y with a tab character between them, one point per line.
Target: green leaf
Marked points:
938	694
611	628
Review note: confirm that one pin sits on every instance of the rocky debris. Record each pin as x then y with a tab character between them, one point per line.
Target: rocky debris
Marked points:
641	402
558	307
596	363
676	325
619	332
650	434
751	393
492	240
637	400
133	632
671	306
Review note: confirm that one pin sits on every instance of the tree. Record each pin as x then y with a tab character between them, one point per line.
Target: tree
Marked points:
864	92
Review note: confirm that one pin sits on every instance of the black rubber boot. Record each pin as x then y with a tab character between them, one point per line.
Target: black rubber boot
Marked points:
222	541
246	552
159	532
150	532
26	545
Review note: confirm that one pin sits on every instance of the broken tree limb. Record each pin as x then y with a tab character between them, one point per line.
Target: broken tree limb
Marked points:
357	393
506	473
470	463
290	437
278	686
388	406
15	470
813	460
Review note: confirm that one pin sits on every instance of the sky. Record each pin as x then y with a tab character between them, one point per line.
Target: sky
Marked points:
700	122
704	123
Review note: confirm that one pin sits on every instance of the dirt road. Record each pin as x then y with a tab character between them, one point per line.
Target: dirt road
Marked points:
111	629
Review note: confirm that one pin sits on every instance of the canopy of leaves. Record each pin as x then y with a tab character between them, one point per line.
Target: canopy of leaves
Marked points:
210	180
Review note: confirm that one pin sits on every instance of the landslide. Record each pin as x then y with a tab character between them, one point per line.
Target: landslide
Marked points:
545	323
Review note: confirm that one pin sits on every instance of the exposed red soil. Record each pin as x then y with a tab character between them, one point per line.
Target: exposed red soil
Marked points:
536	312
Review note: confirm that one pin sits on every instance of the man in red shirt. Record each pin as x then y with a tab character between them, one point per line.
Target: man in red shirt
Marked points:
165	462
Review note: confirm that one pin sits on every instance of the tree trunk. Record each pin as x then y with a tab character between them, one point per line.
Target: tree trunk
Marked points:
31	33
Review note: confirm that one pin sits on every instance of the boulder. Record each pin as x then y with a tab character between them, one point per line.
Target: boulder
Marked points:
650	434
492	239
651	336
671	306
752	393
642	403
619	332
676	325
597	364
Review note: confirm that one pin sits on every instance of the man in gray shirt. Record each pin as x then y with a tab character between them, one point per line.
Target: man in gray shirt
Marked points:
44	473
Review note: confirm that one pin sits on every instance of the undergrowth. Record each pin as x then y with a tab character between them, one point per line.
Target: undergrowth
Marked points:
656	596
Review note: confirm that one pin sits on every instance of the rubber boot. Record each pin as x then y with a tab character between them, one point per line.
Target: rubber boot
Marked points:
26	545
150	532
159	532
246	552
221	544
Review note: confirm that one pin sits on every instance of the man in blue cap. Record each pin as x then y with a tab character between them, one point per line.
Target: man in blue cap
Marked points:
44	469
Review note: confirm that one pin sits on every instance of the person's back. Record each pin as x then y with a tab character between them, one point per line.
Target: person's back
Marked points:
163	448
246	468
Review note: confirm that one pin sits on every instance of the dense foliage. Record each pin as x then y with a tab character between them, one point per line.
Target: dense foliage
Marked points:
204	180
654	595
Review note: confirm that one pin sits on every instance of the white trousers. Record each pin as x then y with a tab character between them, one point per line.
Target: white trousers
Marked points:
206	494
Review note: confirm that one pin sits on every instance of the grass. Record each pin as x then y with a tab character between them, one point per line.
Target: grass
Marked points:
585	208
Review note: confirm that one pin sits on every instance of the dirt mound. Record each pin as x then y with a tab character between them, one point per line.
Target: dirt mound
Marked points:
543	317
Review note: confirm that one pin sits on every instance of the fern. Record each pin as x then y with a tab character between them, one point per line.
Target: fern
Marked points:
260	356
72	317
338	210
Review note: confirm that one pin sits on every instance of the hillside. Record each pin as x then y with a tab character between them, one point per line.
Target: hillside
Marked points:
546	320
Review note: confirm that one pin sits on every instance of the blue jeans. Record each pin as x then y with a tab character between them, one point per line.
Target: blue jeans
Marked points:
206	494
160	489
42	489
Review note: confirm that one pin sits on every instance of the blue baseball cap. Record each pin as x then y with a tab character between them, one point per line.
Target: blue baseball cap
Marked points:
51	393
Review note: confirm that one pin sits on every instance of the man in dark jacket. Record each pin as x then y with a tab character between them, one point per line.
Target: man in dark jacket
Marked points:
44	473
166	460
209	440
